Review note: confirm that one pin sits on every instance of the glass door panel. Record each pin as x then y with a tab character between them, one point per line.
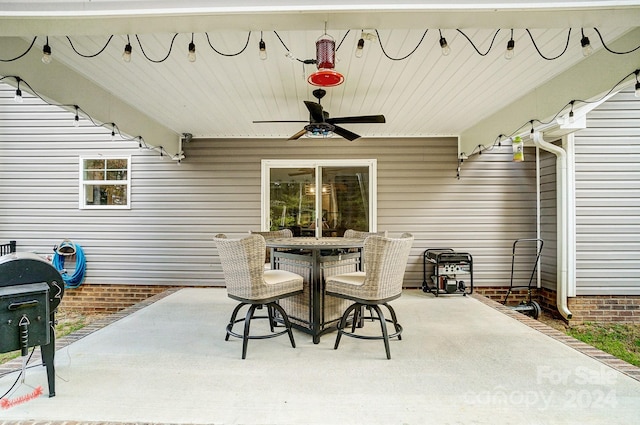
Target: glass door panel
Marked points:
293	200
345	199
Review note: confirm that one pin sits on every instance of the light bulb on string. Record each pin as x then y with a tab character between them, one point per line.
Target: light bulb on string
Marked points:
46	53
571	119
76	119
587	50
192	51
637	84
262	48
508	54
113	131
126	55
18	97
360	46
444	45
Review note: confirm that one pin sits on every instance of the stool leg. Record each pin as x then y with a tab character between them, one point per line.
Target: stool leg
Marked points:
232	321
396	325
357	319
247	324
383	325
343	322
270	314
287	323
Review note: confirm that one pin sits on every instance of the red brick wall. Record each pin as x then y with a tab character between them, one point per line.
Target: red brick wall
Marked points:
600	308
107	298
605	308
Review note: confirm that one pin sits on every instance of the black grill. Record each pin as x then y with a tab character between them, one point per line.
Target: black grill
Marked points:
30	291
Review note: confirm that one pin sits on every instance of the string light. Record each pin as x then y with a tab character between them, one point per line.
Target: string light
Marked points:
76	119
262	48
360	45
637	83
192	51
18	97
444	45
587	50
571	119
46	53
126	55
585	43
508	54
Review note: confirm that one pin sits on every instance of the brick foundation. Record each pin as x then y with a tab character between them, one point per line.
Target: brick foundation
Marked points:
96	298
606	308
595	308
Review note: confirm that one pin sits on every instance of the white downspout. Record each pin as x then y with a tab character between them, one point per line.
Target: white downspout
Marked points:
562	221
568	144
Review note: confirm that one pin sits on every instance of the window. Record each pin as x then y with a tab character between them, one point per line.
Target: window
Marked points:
346	199
105	182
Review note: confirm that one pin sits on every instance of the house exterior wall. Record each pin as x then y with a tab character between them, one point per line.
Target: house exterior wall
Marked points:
165	238
607	172
548	221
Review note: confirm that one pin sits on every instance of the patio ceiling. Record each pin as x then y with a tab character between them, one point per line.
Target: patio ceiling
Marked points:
218	96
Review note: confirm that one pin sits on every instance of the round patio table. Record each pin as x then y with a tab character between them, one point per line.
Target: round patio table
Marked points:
320	257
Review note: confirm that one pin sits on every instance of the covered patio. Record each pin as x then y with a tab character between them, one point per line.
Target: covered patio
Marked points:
461	360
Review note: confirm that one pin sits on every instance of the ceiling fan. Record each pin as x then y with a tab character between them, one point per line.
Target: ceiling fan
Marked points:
320	125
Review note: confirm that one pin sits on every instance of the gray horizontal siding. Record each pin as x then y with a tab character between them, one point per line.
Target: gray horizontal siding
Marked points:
608	199
165	238
548	221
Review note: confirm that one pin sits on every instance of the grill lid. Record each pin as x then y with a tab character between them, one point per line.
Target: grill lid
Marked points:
24	268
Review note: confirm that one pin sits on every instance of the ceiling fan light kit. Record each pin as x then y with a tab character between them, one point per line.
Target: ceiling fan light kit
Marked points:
321	130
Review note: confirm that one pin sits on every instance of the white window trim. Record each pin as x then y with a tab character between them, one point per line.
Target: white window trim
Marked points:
267	164
82	182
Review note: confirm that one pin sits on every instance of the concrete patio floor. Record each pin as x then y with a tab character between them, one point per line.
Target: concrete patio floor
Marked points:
462	360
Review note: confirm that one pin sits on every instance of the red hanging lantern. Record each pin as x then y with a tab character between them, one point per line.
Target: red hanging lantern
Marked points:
325	60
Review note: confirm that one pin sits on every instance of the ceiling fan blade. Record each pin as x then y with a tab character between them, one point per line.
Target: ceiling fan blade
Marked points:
364	119
258	122
315	111
298	135
350	136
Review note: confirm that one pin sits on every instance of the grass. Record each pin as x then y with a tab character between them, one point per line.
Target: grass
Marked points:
619	340
67	322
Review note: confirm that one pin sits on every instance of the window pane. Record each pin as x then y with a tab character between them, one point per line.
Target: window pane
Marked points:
105	194
116	174
117	164
345	199
94	175
292	193
94	164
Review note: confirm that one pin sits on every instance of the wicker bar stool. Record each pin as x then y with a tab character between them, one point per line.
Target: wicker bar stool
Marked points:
381	282
357	234
249	283
272	234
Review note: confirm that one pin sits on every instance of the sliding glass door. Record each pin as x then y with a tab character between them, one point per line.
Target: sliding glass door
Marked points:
318	198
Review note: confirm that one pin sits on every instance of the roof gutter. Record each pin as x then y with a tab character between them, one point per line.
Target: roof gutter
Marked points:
561	221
